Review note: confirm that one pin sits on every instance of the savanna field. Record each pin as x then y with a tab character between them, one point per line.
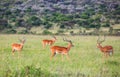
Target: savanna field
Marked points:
86	60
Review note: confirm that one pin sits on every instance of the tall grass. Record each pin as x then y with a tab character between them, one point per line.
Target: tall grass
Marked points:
34	61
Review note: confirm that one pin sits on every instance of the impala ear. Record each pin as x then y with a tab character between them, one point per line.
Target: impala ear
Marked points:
22	40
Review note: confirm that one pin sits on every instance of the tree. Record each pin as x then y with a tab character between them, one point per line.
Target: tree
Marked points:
3	24
111	30
35	21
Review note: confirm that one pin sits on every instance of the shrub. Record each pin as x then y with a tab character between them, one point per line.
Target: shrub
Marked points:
46	32
13	19
34	21
60	31
106	25
23	32
10	31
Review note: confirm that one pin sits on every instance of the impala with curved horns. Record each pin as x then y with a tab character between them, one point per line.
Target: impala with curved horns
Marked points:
18	46
107	50
61	50
48	42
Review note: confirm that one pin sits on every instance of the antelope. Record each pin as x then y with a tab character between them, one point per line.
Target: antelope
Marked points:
107	50
61	50
18	47
48	42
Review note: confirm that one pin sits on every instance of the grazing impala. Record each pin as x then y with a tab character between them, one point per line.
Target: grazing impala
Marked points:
107	50
48	42
18	47
61	50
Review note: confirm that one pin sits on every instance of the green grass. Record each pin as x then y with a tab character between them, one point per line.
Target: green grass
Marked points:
85	59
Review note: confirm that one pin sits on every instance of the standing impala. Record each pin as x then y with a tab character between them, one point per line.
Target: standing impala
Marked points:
48	42
18	47
61	50
107	50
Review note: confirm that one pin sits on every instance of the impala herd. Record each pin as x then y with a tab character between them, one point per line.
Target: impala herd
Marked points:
106	50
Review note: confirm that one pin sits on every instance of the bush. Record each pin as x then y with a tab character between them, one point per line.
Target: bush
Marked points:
10	31
60	32
84	16
106	25
34	21
62	26
23	32
47	25
13	19
46	32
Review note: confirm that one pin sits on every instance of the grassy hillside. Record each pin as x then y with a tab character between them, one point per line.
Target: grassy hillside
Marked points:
48	14
34	61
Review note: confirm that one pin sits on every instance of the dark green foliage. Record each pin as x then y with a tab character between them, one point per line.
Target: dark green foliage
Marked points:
29	10
23	32
60	31
13	19
106	25
3	24
20	22
34	20
8	12
46	32
62	26
10	31
47	24
87	17
57	17
84	16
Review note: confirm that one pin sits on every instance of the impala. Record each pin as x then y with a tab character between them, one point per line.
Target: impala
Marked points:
61	50
48	42
18	47
107	50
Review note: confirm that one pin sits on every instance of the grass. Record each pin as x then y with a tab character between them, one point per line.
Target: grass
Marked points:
86	59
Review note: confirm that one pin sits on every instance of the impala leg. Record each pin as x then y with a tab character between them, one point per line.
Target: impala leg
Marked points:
103	57
53	54
43	44
62	56
109	54
13	51
19	54
67	57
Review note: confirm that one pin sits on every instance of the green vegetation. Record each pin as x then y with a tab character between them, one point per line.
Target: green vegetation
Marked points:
93	16
34	61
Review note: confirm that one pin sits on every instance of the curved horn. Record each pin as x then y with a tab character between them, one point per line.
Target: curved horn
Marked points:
103	39
98	39
54	37
67	40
